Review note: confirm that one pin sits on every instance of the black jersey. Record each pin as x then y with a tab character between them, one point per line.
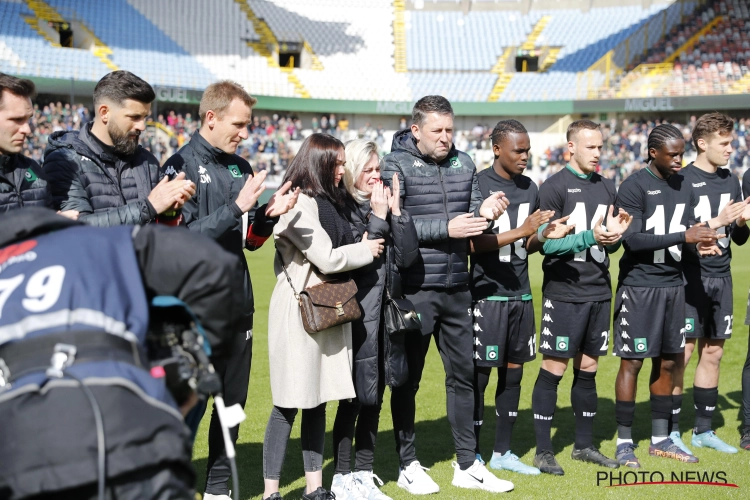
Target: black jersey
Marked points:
661	211
583	276
712	192
505	272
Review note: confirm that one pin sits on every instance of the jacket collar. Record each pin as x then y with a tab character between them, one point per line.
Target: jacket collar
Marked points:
206	151
95	146
6	162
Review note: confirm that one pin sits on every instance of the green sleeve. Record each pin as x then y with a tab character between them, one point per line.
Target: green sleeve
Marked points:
613	248
573	243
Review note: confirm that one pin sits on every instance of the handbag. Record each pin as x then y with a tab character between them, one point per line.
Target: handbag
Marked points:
399	315
327	304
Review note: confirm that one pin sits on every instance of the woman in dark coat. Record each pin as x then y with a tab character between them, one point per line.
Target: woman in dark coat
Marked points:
379	359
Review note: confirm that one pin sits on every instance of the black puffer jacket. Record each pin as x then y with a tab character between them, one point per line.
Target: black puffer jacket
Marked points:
107	189
434	194
21	183
218	178
374	351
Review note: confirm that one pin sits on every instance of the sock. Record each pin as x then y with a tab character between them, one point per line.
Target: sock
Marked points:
674	421
661	410
624	414
584	402
705	403
481	380
506	404
543	402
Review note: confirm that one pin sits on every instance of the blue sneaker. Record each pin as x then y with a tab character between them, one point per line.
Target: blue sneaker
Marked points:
510	462
709	439
676	439
479	458
625	455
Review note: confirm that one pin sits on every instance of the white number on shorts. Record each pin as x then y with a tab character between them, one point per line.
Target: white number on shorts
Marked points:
532	345
42	290
656	222
578	217
729	319
605	345
703	214
503	225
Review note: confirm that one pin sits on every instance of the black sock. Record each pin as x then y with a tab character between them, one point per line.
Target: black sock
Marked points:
705	404
481	380
624	414
584	402
506	404
674	420
661	410
543	402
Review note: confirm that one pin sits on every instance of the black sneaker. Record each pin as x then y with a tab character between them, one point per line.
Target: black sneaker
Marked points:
745	439
594	456
319	494
546	462
274	496
667	449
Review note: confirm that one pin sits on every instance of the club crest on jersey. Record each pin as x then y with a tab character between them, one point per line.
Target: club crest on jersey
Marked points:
455	162
170	171
548	304
562	344
492	352
655	191
689	324
546	331
205	178
30	176
641	345
547	317
235	170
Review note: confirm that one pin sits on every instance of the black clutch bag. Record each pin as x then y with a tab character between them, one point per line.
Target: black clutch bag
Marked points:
400	316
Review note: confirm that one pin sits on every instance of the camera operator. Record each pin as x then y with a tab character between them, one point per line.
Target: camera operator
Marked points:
74	316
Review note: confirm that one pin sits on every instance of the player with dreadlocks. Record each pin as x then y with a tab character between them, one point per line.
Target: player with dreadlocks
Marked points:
504	330
649	317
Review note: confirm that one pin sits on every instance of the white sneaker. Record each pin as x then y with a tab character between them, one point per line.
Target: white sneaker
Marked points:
346	487
211	496
477	477
367	486
415	480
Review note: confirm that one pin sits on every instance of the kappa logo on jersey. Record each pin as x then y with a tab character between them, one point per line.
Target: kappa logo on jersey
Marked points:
641	345
689	324
562	344
624	309
477	328
476	341
545	345
30	176
83	158
698	184
656	191
170	170
477	313
19	252
476	355
417	164
455	162
205	178
576	190
624	322
624	335
625	349
547	317
492	352
546	331
548	304
625	295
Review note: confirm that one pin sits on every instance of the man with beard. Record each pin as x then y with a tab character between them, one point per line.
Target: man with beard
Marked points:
101	172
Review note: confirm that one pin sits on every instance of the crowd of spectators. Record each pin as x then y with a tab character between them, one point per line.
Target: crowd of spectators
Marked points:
50	118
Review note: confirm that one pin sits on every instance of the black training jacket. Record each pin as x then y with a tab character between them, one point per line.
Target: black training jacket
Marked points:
433	194
219	177
21	183
107	189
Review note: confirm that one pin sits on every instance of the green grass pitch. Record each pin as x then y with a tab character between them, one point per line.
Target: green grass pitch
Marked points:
435	444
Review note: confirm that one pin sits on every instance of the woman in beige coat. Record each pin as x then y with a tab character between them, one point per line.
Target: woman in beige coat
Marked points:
314	243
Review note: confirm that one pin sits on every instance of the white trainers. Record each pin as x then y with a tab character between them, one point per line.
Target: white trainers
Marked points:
477	477
210	496
367	486
346	487
415	480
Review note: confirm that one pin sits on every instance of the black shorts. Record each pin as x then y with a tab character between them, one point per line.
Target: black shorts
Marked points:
649	321
570	327
504	332
709	308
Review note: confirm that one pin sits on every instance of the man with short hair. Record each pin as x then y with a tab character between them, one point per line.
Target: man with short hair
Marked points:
441	192
21	182
225	209
577	293
709	303
101	171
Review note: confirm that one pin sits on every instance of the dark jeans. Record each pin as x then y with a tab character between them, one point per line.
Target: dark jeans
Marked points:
234	371
445	315
312	435
366	418
746	388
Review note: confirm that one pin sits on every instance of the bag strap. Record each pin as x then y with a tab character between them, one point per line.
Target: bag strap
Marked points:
296	295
